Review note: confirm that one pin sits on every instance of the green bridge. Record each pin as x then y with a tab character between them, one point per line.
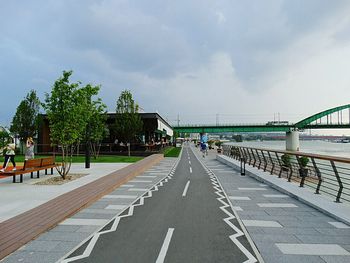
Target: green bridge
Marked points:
328	119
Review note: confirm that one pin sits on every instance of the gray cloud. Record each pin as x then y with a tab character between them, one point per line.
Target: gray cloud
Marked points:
162	50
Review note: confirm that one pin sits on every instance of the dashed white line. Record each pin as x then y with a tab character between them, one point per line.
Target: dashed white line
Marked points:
190	169
165	246
189	162
186	188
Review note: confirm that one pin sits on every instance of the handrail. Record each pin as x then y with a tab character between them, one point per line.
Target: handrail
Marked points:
328	175
318	156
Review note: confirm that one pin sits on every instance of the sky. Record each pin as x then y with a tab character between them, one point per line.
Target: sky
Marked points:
203	61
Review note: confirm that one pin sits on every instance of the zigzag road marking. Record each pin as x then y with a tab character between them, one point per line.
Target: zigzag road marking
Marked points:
221	198
117	219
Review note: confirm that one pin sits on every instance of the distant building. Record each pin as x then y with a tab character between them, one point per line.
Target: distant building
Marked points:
155	131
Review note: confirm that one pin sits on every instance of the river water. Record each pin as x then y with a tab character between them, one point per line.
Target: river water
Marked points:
317	147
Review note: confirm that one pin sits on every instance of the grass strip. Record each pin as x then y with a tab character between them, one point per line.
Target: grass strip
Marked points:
172	152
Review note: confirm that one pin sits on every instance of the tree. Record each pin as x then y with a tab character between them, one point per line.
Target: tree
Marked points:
69	109
128	122
26	120
96	128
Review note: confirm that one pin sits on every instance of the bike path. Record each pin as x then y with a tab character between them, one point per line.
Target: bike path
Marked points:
184	218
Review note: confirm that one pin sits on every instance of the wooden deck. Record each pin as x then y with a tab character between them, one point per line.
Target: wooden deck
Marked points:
17	231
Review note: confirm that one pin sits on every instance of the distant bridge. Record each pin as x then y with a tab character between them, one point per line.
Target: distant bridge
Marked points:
334	118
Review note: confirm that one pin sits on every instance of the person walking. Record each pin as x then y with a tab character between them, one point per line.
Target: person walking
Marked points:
9	156
203	148
30	149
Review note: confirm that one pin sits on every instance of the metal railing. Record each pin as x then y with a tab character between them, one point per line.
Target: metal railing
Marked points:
325	174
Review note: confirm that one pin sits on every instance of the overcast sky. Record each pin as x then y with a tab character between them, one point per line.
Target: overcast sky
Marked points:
227	61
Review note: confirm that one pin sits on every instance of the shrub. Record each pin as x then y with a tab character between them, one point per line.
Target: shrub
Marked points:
286	159
303	161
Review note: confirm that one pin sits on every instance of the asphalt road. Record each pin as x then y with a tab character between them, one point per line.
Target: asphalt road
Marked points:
182	221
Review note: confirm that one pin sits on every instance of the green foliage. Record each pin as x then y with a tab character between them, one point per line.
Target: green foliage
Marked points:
210	143
96	128
286	160
172	152
26	119
303	161
73	116
218	144
128	122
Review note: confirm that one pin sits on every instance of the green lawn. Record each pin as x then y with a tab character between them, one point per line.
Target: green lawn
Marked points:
172	152
81	159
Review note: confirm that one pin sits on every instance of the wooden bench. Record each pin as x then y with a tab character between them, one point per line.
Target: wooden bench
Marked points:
31	166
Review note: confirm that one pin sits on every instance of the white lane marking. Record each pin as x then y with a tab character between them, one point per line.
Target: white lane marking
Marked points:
140	181
84	222
120	196
165	246
251	189
116	207
190	169
186	188
116	219
138	189
276	205
234	238
242	198
312	249
189	162
276	196
261	223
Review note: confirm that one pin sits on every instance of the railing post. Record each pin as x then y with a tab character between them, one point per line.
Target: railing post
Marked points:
318	173
279	162
339	181
242	159
243	153
250	158
302	181
257	154
253	156
262	152
272	163
235	152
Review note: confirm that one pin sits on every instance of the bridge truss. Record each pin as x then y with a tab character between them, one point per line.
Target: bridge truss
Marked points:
334	118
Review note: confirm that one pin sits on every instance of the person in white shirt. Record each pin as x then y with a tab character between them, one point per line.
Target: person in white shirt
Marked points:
9	156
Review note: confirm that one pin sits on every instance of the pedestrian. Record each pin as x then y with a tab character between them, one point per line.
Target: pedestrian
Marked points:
203	148
9	156
30	149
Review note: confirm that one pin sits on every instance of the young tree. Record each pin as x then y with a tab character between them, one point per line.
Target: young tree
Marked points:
96	128
69	109
128	121
26	120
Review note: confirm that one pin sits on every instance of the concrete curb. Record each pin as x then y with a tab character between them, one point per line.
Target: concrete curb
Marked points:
339	211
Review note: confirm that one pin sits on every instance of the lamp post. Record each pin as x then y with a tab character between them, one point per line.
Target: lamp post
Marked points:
87	140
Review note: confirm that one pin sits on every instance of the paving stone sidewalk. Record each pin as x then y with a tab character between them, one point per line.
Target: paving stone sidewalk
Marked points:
59	241
283	228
